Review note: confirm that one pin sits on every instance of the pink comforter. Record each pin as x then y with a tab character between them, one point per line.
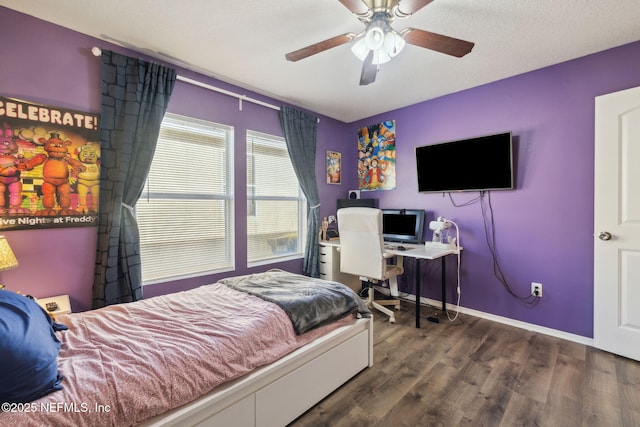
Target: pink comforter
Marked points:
126	363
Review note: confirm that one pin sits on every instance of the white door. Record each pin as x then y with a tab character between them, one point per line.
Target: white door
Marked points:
617	223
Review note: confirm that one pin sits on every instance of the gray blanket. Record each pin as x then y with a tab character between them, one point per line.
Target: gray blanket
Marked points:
309	302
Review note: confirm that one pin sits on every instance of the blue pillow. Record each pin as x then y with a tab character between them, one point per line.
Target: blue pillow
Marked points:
28	348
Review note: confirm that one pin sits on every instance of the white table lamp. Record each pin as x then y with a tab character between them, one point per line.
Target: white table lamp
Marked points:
8	259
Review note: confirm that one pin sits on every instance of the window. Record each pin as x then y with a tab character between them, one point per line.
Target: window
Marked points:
185	212
276	207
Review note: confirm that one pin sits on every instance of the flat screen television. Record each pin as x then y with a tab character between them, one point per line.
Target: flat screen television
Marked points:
474	164
402	225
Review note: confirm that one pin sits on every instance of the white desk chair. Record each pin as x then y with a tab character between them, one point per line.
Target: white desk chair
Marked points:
362	254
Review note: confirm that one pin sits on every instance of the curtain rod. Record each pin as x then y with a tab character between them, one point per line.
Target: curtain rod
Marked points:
97	52
227	92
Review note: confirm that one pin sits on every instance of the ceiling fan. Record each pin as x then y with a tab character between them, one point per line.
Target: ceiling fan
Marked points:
379	42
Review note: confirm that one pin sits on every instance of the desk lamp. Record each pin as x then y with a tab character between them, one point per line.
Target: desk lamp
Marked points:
8	259
438	227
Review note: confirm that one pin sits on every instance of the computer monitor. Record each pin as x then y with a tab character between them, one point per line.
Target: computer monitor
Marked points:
403	225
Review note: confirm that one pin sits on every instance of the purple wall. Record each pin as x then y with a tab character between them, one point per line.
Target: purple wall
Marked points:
543	229
193	101
49	64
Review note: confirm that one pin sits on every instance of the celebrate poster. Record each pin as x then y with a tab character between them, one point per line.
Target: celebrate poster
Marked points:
49	166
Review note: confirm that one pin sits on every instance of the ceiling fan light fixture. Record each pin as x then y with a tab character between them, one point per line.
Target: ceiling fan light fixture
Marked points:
374	37
379	42
360	49
380	56
393	43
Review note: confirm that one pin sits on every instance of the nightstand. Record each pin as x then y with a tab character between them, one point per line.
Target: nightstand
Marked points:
56	305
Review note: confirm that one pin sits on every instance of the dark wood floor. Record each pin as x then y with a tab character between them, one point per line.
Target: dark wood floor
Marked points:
476	372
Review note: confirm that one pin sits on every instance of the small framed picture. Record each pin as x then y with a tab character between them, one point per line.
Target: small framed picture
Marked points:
334	167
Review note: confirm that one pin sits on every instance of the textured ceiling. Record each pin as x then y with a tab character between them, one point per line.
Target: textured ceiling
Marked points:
244	42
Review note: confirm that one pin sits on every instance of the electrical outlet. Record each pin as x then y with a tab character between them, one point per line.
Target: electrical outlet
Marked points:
536	289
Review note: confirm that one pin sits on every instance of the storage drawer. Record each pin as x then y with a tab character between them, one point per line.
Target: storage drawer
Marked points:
324	268
326	261
281	402
325	251
240	414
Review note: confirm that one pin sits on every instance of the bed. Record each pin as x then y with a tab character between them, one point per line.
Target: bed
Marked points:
227	354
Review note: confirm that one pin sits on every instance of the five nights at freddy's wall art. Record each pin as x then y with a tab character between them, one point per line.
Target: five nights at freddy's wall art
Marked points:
49	166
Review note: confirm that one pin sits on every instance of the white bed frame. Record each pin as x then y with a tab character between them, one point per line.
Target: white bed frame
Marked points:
277	394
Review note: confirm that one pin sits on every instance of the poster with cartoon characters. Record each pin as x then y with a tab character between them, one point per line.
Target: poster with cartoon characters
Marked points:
377	156
334	167
49	166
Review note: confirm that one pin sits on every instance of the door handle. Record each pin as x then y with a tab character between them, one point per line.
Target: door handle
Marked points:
604	235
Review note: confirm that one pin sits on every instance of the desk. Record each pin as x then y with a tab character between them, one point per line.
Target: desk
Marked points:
418	252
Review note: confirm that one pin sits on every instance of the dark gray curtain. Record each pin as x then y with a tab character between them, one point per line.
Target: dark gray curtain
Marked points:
135	94
300	130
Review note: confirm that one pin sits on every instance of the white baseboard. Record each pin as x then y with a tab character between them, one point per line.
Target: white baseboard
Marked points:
495	318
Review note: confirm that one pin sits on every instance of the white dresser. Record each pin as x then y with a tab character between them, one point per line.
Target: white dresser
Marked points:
330	266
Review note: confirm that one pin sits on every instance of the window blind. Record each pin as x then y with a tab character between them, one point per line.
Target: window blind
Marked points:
276	207
185	211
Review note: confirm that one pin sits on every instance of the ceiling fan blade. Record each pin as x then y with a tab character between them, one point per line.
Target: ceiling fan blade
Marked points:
438	42
369	70
299	54
409	7
355	6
